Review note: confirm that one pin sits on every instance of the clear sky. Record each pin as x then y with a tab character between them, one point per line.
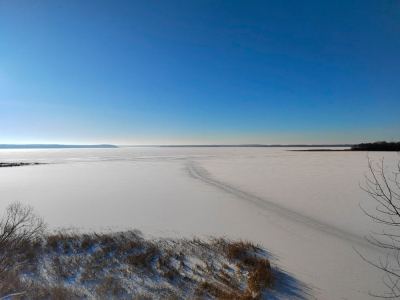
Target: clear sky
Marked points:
199	72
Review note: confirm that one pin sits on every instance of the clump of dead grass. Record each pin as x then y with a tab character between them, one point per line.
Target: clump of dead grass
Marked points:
125	265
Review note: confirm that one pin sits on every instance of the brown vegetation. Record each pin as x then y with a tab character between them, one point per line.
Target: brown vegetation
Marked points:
123	265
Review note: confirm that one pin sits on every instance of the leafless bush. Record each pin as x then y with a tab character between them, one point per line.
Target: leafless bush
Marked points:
19	227
384	188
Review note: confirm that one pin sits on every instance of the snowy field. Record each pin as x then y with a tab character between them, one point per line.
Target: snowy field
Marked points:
303	207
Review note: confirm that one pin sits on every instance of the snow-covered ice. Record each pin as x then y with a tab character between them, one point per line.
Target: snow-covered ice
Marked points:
302	206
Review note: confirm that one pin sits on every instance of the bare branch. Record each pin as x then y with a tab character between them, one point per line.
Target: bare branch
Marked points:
18	227
385	191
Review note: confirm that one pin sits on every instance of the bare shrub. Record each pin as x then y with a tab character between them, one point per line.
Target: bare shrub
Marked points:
19	227
384	188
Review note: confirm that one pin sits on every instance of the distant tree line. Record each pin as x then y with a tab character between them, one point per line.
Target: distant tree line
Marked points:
377	146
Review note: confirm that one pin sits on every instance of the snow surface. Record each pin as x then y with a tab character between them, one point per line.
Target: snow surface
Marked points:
302	206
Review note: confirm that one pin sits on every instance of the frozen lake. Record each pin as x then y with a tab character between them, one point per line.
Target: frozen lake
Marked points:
302	206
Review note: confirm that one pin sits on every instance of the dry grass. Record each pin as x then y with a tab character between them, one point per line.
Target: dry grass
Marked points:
124	265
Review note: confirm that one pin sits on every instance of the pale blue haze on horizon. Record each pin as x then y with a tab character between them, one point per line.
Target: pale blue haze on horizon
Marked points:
199	72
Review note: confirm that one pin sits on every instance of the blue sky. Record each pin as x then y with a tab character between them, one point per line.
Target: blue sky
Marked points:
199	72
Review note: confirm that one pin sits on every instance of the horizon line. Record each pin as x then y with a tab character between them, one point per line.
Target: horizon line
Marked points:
49	146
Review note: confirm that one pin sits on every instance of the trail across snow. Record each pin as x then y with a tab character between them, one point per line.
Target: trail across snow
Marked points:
273	207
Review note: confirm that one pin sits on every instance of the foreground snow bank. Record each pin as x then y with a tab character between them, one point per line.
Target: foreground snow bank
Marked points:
125	265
